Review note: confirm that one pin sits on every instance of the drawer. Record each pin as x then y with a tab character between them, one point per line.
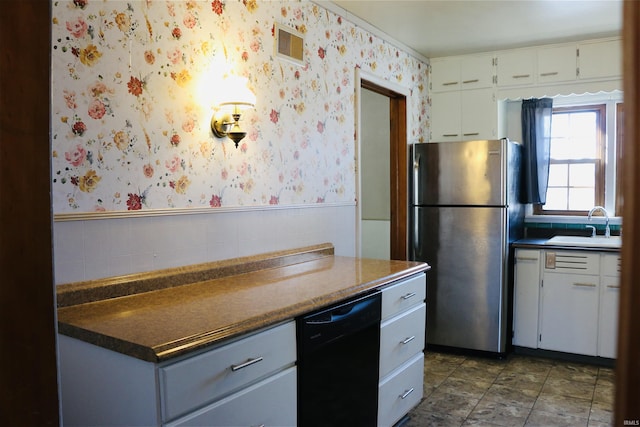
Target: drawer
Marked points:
400	296
201	379
401	391
611	265
401	337
271	402
572	262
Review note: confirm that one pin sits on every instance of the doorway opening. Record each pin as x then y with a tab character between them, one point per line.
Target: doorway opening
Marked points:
389	211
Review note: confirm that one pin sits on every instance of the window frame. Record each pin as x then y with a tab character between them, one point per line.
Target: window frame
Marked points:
601	160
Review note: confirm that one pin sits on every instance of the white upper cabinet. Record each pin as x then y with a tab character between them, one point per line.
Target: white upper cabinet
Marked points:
516	67
476	72
464	115
479	113
445	74
557	64
460	73
601	59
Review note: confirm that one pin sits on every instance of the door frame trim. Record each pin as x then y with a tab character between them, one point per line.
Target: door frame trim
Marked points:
399	134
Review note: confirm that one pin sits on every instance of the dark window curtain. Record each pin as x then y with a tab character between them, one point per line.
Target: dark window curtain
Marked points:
536	139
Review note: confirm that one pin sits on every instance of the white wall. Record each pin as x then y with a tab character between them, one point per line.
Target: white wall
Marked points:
91	249
375	172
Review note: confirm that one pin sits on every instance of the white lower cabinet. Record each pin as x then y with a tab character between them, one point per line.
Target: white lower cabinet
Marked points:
526	297
609	297
250	381
567	301
401	391
569	315
270	402
402	340
199	380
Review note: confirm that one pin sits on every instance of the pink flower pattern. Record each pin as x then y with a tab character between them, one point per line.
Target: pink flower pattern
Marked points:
135	116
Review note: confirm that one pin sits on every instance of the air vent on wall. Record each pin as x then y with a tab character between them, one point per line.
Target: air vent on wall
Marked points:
289	44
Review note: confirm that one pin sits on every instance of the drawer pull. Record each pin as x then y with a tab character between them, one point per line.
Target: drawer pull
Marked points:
471	81
613	286
524	258
409	295
408	340
249	362
552	73
449	134
449	83
471	134
520	76
406	393
585	285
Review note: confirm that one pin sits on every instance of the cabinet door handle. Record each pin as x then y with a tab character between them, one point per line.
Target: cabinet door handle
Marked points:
409	295
450	134
249	362
523	258
471	134
408	340
585	285
552	73
406	393
471	81
449	83
613	286
520	76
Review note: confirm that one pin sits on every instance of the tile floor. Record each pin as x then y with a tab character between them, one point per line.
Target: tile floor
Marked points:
518	391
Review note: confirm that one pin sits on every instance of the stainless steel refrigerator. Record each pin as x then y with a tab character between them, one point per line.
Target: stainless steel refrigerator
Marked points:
464	213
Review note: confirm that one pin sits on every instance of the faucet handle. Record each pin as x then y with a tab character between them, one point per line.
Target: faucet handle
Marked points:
593	230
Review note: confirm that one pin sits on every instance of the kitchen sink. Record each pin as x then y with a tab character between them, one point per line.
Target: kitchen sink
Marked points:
591	242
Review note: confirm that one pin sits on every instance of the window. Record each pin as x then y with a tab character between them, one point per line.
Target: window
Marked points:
577	166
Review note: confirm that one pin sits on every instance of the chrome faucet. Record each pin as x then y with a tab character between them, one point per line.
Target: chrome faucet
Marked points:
607	231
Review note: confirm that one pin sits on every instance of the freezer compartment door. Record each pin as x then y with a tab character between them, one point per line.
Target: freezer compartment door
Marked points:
459	173
466	295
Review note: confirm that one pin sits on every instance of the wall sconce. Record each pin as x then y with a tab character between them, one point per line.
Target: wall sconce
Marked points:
233	99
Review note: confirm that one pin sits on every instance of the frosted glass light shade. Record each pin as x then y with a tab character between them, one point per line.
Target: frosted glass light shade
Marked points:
234	93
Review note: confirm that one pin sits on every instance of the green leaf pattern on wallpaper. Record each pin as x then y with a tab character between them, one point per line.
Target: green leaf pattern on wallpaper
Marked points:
133	87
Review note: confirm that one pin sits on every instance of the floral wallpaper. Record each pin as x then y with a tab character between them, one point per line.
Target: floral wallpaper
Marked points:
133	85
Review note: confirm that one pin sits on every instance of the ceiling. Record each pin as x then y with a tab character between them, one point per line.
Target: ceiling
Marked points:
435	28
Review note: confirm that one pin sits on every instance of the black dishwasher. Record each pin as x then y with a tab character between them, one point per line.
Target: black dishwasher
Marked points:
338	358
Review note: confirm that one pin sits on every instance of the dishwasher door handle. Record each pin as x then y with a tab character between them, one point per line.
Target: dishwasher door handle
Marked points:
342	313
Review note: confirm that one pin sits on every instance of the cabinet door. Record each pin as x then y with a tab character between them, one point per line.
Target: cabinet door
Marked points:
445	116
608	321
401	338
271	402
479	113
401	391
476	72
600	59
516	68
526	297
557	64
445	74
569	315
609	297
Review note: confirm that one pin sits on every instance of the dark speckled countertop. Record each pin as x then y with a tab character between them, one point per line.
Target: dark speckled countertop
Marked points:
160	315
